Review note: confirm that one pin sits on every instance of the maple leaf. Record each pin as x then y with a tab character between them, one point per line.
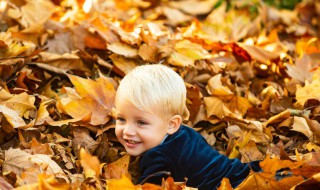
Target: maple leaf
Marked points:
17	161
95	97
301	70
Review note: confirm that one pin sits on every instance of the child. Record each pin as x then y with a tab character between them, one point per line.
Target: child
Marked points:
151	105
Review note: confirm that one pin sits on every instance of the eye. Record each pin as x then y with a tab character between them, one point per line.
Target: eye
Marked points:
140	122
120	120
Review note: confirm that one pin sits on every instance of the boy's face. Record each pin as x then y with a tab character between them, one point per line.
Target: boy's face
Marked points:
139	131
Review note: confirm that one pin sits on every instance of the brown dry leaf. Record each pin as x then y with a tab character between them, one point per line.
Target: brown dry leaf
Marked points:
14	48
61	43
311	183
194	7
238	145
104	31
148	52
194	100
82	139
12	117
306	171
250	152
222	25
21	103
90	164
38	148
119	168
43	114
315	128
123	49
300	125
259	53
300	71
216	108
123	63
17	161
186	53
215	87
95	97
278	118
309	91
174	16
31	20
5	95
61	63
312	158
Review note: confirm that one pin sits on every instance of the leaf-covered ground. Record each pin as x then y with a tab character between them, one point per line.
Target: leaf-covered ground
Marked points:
251	70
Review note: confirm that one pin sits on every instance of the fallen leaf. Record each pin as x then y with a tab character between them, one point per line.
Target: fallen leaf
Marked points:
90	164
17	161
119	168
12	117
225	185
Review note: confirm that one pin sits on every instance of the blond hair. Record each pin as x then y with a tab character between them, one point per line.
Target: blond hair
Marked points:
156	89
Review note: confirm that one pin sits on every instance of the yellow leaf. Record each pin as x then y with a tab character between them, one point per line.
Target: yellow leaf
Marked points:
96	97
215	87
122	49
21	103
123	63
309	91
239	144
216	107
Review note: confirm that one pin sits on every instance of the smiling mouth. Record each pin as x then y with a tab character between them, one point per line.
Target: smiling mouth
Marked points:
132	142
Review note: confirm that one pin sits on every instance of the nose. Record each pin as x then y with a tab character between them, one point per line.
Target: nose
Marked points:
129	130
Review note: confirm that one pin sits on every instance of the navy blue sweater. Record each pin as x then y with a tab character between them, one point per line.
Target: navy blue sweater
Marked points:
186	154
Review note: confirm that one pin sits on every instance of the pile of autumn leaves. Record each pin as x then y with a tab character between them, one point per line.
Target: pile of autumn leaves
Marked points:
252	95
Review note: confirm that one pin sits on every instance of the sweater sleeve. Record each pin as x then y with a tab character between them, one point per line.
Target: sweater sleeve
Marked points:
154	166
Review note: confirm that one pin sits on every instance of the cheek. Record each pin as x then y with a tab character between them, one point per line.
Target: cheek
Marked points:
118	131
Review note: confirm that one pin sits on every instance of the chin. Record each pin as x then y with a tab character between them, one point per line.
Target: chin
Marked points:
133	153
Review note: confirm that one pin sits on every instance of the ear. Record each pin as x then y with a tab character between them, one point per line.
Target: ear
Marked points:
174	124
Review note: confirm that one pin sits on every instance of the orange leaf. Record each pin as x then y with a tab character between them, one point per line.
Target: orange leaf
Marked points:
119	168
122	183
271	165
90	164
225	184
